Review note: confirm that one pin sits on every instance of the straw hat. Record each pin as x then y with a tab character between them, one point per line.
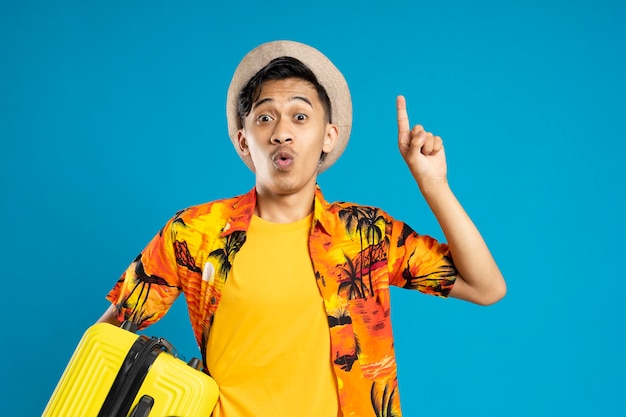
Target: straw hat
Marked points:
327	74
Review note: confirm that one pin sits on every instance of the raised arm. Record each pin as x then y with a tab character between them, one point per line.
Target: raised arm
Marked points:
480	279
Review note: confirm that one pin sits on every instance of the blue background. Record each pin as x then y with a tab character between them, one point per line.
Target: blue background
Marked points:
112	118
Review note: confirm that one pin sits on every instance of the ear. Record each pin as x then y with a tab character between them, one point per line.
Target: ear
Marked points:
330	138
243	144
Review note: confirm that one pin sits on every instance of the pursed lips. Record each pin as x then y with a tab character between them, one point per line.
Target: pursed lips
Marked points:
282	158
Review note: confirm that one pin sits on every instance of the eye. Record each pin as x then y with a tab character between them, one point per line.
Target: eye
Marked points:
301	117
264	118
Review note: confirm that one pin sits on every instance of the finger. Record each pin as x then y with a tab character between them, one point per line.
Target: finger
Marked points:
403	118
418	138
432	145
429	144
417	130
438	144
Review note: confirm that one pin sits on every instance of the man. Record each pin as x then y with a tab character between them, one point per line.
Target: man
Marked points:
303	325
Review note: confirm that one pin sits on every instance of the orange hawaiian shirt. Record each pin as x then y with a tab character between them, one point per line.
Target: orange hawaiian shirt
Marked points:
357	253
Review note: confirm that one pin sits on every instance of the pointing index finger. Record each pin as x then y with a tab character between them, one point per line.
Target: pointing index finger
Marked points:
403	117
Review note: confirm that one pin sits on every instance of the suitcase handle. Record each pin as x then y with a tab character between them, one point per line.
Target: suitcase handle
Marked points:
143	407
130	326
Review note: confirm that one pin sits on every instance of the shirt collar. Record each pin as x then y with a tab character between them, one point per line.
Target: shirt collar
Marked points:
241	214
243	209
321	212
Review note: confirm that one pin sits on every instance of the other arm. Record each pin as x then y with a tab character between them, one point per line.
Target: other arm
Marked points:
109	316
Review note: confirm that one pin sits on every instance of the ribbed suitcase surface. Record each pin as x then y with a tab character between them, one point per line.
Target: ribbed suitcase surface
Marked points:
173	387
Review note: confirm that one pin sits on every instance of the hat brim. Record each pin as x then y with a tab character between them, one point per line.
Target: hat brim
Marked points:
327	74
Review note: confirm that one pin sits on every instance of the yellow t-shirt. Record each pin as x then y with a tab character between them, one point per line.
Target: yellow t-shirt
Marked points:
269	346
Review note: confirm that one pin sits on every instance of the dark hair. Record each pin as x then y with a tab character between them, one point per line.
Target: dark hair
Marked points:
279	69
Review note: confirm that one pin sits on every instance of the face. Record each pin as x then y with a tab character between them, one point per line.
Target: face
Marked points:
285	135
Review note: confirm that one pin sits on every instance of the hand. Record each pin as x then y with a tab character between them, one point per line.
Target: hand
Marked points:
422	151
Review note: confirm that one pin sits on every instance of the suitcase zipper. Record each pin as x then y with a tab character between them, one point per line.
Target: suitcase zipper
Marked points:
131	375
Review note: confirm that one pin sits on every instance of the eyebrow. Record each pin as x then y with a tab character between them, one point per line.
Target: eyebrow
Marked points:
269	99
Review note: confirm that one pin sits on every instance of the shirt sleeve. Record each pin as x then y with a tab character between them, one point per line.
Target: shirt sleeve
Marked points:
419	262
150	284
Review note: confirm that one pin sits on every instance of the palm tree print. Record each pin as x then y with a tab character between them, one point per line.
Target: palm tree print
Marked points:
382	396
225	255
364	221
144	283
354	286
444	271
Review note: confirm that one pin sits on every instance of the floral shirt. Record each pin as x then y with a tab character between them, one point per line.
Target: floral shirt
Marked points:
357	253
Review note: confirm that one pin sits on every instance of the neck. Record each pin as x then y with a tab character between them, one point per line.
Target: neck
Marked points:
288	208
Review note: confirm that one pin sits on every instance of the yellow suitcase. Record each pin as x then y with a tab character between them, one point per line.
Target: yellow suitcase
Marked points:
116	373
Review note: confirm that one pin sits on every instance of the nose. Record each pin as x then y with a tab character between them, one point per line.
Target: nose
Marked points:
282	133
